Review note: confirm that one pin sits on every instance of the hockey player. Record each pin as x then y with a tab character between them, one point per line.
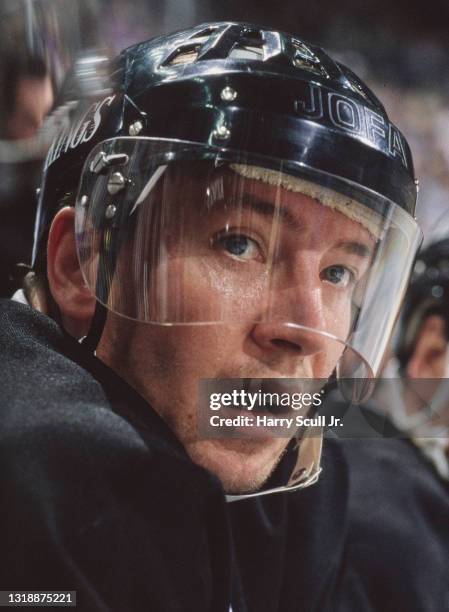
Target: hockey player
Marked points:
239	206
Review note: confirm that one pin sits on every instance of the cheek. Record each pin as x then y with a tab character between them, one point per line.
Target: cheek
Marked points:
205	292
322	364
339	314
165	364
190	353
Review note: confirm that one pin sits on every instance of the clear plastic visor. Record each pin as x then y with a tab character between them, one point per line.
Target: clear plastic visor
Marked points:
176	233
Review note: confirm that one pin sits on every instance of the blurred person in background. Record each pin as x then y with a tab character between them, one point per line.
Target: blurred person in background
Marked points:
26	99
399	453
27	93
40	41
419	363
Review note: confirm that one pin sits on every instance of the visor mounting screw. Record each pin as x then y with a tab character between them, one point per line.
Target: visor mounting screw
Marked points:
135	128
228	94
221	132
116	183
84	200
110	211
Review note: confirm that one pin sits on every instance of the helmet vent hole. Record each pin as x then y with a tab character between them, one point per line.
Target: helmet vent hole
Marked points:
205	33
303	64
247	52
305	59
303	51
251	37
183	55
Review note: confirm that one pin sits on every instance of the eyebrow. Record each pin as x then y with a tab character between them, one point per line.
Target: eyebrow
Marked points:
354	248
268	209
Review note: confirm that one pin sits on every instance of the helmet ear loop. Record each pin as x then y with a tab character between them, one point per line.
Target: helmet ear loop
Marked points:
93	336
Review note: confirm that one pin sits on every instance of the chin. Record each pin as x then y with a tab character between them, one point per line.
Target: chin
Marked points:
242	466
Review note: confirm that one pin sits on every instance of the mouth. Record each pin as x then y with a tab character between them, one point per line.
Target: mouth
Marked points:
258	408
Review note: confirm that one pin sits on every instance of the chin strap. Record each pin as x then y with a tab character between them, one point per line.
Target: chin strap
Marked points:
91	340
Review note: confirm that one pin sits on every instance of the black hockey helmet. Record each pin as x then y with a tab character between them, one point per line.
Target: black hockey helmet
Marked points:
203	116
225	84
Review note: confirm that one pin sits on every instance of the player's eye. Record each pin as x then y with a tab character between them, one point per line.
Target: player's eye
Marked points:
238	246
338	275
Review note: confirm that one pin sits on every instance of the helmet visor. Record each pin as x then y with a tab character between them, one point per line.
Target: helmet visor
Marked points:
174	233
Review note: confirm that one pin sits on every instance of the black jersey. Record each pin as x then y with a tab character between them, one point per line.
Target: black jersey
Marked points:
398	542
98	496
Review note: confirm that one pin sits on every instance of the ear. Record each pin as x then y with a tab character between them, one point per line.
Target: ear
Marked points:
68	288
429	357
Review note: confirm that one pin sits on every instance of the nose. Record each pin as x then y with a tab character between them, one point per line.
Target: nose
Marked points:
294	312
288	338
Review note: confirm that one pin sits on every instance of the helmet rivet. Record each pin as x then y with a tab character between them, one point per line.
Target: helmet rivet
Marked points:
110	211
221	132
116	183
228	94
135	128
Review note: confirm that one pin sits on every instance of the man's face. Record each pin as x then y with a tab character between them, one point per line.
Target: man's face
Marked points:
270	269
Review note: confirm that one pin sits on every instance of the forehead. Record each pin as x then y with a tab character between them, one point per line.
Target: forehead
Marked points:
298	205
